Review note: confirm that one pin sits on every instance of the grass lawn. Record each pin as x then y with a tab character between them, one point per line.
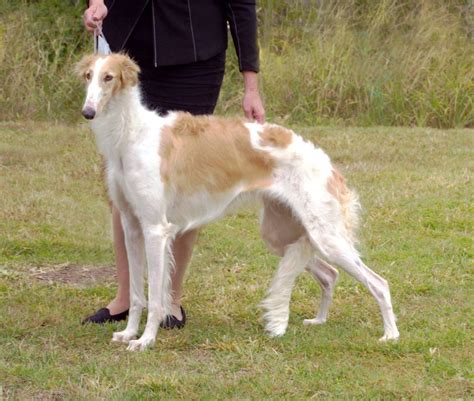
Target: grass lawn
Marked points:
416	189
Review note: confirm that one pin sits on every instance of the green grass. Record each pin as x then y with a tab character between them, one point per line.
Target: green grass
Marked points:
416	188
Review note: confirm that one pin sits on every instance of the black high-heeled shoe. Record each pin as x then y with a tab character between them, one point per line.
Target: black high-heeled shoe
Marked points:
103	316
172	322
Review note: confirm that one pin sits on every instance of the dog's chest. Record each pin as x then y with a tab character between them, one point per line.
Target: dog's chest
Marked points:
136	174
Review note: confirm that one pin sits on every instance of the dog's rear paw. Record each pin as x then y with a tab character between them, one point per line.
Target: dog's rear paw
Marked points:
123	336
276	329
389	337
310	322
141	344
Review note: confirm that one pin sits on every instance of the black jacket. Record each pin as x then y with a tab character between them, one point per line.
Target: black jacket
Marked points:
188	30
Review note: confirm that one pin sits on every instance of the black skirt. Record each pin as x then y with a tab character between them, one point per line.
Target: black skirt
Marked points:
190	87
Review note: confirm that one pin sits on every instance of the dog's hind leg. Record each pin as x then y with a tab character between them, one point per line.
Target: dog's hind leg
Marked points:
340	252
280	228
324	225
276	304
336	249
326	276
136	260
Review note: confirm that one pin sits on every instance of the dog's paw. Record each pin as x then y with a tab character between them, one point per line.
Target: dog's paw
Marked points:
123	336
389	337
141	344
276	329
310	322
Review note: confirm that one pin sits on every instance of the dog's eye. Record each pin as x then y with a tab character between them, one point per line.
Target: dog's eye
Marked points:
108	78
87	76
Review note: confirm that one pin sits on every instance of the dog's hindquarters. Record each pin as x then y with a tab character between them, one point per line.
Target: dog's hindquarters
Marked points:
327	210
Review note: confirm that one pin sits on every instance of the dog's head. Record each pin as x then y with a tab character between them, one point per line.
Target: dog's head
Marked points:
105	76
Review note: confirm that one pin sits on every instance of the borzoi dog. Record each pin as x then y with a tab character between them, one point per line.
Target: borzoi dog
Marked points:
170	174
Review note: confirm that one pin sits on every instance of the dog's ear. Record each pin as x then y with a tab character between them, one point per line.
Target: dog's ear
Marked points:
129	70
84	65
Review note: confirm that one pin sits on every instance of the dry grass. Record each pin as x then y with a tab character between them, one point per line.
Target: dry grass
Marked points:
393	63
39	42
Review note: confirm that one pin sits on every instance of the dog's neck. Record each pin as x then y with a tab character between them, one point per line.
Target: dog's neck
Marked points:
121	122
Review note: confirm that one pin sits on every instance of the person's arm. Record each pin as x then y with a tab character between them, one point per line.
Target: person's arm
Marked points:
94	14
252	102
242	17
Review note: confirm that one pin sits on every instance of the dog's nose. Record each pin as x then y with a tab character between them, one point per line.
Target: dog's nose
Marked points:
88	112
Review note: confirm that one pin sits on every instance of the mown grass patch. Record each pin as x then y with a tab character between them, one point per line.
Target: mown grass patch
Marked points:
416	189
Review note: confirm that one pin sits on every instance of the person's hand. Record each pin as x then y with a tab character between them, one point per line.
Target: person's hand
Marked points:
252	102
94	15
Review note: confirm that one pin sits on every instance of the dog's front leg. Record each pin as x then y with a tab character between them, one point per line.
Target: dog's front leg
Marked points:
136	262
157	241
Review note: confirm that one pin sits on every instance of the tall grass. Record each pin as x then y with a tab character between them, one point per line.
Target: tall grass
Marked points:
358	62
39	43
390	64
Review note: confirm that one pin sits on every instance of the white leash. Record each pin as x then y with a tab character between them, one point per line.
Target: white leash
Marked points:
97	33
100	44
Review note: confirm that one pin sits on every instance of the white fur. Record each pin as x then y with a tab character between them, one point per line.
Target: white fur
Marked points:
128	136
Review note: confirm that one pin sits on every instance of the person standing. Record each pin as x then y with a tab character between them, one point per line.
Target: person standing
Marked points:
180	46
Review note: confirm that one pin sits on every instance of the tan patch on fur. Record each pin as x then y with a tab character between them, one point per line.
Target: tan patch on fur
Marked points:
123	68
275	136
347	199
85	64
336	185
212	154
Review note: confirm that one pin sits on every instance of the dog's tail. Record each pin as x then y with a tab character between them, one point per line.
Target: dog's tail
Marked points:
348	201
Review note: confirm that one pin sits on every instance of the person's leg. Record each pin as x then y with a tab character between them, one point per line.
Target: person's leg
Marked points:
182	251
122	299
117	309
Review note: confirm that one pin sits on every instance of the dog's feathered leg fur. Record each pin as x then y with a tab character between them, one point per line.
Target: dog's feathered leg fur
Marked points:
277	302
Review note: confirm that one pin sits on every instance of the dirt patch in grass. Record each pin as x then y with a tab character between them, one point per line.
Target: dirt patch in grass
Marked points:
79	276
